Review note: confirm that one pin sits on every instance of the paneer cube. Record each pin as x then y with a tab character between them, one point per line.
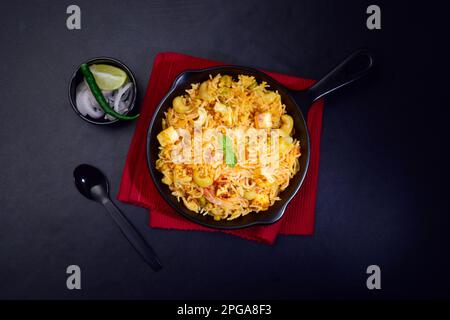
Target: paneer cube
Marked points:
168	136
261	200
263	120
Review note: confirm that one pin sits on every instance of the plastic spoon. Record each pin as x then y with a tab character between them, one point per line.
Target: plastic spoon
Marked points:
93	184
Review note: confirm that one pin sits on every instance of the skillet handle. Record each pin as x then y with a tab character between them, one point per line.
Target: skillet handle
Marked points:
355	66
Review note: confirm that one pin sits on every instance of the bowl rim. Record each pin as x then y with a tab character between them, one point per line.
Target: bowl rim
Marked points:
90	61
174	205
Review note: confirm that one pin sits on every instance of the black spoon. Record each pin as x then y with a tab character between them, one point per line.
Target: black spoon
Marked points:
92	184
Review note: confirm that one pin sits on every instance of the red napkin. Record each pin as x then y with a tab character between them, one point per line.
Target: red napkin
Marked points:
137	186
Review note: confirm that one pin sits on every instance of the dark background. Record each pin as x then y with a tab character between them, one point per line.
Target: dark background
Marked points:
383	190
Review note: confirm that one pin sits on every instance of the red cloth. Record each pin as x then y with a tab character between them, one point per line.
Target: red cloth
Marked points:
137	186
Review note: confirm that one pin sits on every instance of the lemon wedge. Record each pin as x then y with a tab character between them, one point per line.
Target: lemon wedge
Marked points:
108	77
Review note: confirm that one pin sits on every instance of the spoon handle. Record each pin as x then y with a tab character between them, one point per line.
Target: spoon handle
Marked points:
355	66
133	235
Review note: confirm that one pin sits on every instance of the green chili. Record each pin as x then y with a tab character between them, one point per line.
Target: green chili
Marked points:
227	147
98	95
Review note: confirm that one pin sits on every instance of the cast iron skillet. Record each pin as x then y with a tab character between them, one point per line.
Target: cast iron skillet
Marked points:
352	68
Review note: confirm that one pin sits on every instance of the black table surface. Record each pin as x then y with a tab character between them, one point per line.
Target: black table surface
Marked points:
382	192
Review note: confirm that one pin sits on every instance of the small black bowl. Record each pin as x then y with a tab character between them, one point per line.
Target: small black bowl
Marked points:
77	78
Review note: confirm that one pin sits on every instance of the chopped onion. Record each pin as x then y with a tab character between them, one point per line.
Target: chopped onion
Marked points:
86	103
119	100
118	96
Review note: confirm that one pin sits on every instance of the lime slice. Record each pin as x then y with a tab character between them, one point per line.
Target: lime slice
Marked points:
108	78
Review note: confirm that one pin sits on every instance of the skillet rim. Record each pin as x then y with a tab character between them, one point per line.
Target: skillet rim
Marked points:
176	205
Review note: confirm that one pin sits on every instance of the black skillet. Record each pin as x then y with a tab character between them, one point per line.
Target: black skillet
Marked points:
352	68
